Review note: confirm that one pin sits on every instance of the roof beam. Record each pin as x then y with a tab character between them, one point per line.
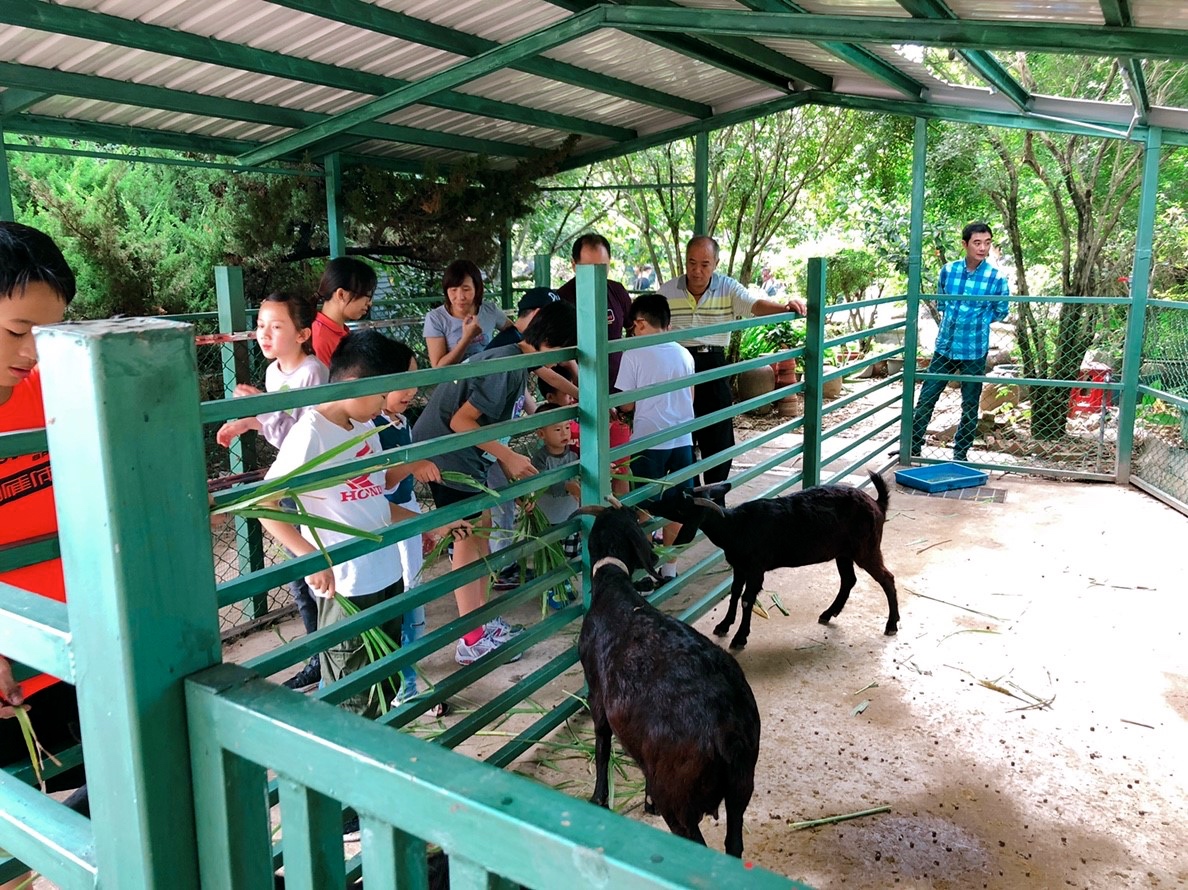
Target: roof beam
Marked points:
89	131
14	100
744	58
118	31
397	24
860	57
1092	40
104	89
464	72
987	67
1117	14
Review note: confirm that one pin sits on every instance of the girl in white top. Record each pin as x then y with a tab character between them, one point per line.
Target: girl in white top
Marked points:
463	324
284	333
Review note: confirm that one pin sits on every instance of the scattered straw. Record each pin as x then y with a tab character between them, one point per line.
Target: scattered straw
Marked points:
1136	723
829	820
954	605
871	685
937	544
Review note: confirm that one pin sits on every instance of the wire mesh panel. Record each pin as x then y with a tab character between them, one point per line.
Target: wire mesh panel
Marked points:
1161	418
1047	394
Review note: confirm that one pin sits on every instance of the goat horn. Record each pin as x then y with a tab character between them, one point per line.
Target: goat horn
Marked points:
613	501
706	502
591	510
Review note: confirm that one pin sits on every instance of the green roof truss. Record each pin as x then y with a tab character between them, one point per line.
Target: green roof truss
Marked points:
862	59
1117	13
1092	40
15	100
418	91
181	44
104	89
396	24
988	67
738	56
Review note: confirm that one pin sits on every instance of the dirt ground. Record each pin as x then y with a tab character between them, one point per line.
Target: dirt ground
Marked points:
1026	726
1062	593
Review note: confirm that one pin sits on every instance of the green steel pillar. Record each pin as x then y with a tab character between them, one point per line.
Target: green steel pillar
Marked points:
814	359
121	404
505	269
594	404
333	163
911	337
542	270
1140	284
7	214
236	360
701	184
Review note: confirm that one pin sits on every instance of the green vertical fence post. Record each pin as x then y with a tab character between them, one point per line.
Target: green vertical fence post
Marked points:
911	334
505	269
701	184
814	358
594	404
1140	283
236	360
121	400
333	166
7	213
542	271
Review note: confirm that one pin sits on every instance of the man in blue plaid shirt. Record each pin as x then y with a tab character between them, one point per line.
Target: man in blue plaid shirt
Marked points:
964	337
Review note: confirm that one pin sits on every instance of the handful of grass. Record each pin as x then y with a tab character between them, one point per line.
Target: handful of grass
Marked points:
35	749
378	644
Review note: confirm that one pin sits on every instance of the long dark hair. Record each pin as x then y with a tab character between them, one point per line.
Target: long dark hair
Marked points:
352	275
301	309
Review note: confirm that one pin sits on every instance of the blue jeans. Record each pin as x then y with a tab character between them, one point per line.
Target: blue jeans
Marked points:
971	394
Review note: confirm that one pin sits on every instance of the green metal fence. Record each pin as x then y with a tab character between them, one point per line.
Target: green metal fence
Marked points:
187	786
136	560
1161	413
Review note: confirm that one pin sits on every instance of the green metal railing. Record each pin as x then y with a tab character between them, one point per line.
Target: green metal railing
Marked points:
144	604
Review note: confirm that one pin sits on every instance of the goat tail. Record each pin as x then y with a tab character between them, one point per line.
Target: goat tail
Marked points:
884	498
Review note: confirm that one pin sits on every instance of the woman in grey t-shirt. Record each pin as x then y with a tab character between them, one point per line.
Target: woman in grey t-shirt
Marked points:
463	324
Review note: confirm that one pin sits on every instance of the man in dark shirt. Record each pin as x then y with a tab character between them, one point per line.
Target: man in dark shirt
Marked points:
593	249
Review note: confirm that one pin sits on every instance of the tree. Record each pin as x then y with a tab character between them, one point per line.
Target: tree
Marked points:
1067	202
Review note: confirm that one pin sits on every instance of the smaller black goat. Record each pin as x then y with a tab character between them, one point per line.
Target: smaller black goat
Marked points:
815	525
679	705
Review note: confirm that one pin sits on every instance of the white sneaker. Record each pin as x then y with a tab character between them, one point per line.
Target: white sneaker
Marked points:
500	631
485	645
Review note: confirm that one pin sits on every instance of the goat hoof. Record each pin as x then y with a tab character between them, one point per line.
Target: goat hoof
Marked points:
737	643
824	619
721	629
891	630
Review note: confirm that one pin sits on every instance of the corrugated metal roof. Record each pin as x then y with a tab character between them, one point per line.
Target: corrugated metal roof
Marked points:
284	66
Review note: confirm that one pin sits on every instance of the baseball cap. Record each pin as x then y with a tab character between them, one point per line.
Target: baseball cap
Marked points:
536	298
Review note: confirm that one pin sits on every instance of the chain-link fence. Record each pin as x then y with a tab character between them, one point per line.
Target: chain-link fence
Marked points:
1045	399
238	546
1161	417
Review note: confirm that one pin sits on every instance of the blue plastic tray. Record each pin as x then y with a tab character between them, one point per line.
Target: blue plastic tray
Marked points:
941	477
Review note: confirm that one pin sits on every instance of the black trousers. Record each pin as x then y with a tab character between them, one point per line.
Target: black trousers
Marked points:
708	398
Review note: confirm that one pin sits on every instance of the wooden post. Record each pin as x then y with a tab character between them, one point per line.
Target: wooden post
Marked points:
121	404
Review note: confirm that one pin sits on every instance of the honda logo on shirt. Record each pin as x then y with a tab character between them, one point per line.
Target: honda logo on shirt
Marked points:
361	487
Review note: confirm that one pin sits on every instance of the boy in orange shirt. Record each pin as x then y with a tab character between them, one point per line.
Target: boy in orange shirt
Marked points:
36	286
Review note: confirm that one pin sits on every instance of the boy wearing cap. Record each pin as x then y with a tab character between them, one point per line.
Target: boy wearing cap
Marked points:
533	301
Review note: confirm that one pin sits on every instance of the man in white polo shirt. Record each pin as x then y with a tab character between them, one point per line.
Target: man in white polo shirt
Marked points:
702	297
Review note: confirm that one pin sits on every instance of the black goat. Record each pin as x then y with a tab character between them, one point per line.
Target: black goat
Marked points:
815	525
679	705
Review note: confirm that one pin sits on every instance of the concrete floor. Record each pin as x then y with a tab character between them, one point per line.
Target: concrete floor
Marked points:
1064	593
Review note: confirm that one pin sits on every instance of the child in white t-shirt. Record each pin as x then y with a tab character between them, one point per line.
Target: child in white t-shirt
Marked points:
646	366
358	502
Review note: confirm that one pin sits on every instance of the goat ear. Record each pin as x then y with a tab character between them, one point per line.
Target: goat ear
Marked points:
686	534
591	510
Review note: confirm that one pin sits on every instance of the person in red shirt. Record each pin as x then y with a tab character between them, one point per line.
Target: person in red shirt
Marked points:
345	292
36	286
